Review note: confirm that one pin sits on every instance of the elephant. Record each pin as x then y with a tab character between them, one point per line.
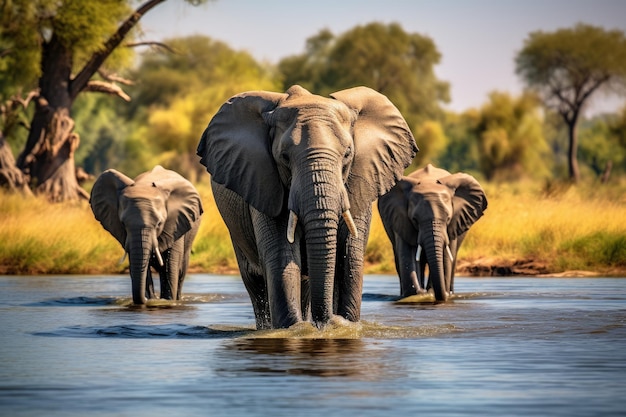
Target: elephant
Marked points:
155	217
294	176
426	215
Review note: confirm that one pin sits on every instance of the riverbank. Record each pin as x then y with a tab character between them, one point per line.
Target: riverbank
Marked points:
527	229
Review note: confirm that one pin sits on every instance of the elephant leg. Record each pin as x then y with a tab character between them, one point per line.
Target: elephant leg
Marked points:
305	297
281	266
149	285
421	273
184	265
254	282
349	271
171	270
455	245
407	268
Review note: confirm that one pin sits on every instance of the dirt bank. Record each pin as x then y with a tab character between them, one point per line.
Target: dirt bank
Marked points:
486	267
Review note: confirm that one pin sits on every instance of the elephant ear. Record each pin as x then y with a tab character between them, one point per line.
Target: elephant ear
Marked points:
104	202
236	150
383	146
183	204
469	202
393	208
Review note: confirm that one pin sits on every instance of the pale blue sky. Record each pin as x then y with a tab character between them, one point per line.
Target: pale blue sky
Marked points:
478	39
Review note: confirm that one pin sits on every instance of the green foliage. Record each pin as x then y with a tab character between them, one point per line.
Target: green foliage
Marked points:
601	143
569	65
503	140
104	138
383	57
81	25
176	95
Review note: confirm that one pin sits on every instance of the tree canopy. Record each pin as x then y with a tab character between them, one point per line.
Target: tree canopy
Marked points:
55	49
384	57
178	92
569	65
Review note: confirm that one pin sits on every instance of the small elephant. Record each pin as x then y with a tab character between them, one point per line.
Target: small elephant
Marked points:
294	176
426	216
155	217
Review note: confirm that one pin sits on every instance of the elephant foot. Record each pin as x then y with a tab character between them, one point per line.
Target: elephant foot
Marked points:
413	291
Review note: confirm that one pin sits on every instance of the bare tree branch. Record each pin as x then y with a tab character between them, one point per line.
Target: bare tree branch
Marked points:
108	88
115	78
97	59
151	43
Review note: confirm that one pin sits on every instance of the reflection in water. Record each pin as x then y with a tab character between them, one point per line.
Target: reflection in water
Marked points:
352	358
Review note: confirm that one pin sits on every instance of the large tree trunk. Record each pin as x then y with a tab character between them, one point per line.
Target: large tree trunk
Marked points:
48	157
574	173
51	162
10	175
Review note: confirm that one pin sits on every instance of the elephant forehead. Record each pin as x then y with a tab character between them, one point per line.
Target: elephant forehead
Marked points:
319	106
140	191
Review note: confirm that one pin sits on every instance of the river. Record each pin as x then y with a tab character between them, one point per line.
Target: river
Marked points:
75	346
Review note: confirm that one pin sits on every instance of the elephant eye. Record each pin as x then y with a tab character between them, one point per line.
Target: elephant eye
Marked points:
348	154
284	157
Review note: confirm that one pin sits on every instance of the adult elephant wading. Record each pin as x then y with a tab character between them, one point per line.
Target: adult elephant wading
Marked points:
426	216
155	217
294	176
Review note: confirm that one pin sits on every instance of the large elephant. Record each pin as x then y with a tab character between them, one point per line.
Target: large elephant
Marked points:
155	217
294	175
426	216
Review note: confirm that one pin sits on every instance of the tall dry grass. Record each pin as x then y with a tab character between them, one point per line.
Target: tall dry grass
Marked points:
562	227
37	237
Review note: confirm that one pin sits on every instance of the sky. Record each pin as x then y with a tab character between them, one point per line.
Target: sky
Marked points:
477	39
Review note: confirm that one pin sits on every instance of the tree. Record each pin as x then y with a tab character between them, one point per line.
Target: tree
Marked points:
510	137
384	57
603	145
567	67
63	44
177	93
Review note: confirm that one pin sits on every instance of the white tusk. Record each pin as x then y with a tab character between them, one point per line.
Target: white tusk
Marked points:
449	253
418	255
157	252
291	226
121	261
347	217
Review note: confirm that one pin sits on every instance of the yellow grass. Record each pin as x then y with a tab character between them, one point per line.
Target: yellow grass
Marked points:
41	238
567	228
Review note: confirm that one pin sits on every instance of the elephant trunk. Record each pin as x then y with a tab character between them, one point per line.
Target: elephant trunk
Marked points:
324	200
434	242
140	247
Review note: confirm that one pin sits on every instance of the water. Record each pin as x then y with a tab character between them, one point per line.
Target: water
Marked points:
74	346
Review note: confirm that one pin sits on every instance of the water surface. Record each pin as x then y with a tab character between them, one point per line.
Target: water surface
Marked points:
75	346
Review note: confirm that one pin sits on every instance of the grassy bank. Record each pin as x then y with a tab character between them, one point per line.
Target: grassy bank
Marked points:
526	229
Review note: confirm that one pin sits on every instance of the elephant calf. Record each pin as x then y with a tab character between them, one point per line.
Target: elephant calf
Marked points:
155	217
426	216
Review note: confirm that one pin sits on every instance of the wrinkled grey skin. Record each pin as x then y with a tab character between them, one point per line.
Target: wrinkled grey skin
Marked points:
294	176
155	217
431	209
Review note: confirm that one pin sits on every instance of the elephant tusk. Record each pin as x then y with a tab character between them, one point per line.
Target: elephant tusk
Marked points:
157	252
449	253
121	261
347	217
418	255
291	226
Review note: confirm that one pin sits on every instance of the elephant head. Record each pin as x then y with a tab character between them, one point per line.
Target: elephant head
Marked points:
318	161
147	216
431	210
